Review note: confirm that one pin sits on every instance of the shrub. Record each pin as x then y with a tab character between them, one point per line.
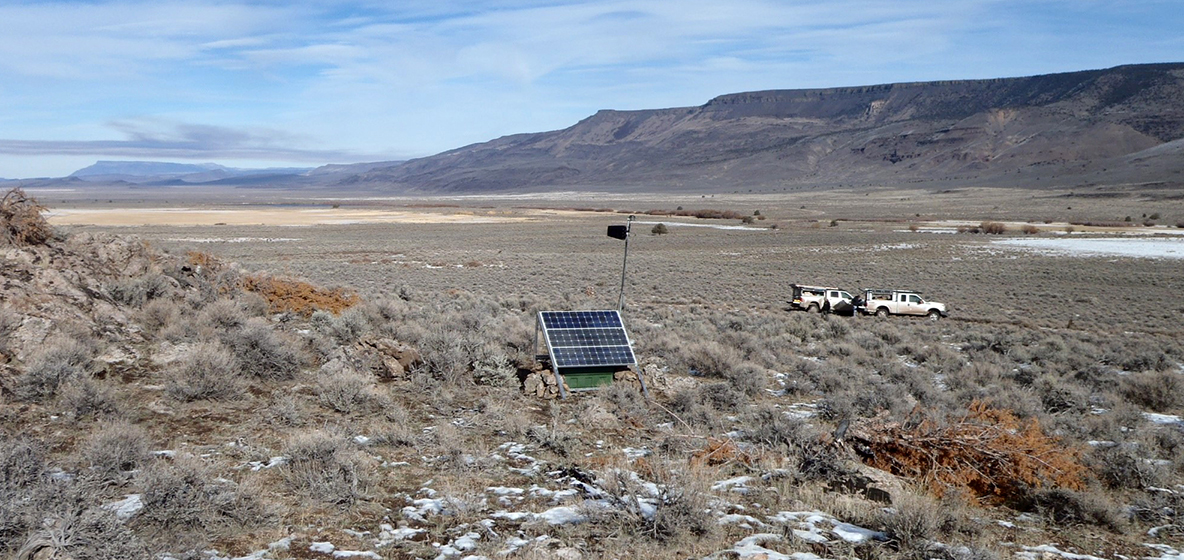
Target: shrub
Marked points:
136	292
84	397
285	410
1160	391
797	440
59	361
115	449
186	504
346	327
9	323
721	396
159	314
345	389
1068	507
913	523
994	228
207	371
748	378
223	315
680	505
22	466
21	221
21	463
446	354
261	352
1121	467
1029	229
691	407
491	366
627	401
659	229
710	359
322	466
80	533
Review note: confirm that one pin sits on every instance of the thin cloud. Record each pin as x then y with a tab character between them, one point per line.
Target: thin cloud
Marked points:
421	76
156	140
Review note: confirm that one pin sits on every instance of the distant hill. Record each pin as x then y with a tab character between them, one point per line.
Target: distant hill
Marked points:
160	172
143	169
1073	128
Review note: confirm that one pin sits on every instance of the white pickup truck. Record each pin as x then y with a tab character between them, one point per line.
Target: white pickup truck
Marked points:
822	299
898	302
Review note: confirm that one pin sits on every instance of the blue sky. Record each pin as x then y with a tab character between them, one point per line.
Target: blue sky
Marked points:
254	84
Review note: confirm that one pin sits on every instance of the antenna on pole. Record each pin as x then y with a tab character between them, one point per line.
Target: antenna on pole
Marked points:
622	232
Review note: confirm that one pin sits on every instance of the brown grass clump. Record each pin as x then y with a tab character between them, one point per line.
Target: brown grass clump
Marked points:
722	452
198	258
989	453
299	297
21	222
993	228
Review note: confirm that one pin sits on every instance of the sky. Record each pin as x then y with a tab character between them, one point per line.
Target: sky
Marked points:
291	83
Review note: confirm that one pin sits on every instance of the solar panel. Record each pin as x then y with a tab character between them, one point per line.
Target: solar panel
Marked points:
586	339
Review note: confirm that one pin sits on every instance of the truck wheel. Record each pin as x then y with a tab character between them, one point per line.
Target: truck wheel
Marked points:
882	312
813	308
934	314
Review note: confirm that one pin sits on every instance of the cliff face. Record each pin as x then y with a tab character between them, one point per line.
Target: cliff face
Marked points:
1081	127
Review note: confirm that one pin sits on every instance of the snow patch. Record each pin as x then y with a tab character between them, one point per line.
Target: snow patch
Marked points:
752	547
323	547
1045	551
1157	418
124	509
738	485
562	515
1100	247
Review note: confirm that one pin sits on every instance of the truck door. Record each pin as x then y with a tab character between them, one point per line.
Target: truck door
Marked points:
915	306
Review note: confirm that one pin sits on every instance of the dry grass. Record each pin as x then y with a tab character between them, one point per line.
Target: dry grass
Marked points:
988	453
21	220
300	297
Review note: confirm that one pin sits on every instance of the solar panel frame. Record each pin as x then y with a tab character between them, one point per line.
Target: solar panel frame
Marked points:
586	339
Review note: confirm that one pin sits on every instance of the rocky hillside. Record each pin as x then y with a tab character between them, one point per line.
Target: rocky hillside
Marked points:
1076	128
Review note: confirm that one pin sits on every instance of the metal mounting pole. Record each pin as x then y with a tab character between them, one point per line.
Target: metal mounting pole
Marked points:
628	229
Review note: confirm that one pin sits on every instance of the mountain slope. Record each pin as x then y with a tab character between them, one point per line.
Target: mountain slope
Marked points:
1077	124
